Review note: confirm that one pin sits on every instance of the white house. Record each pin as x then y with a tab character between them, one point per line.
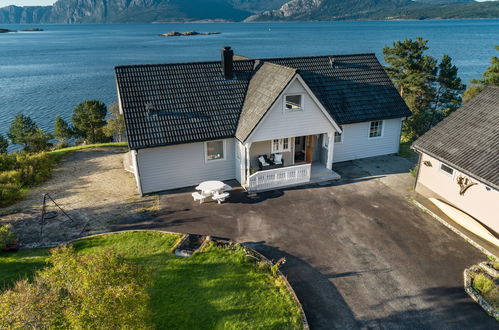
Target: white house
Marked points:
459	159
267	123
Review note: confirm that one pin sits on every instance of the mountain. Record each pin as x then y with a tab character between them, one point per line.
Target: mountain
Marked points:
133	11
311	10
147	11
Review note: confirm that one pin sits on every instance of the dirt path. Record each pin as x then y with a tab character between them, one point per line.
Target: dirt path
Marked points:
95	191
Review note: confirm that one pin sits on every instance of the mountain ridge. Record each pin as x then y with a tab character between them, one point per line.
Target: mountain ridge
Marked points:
149	11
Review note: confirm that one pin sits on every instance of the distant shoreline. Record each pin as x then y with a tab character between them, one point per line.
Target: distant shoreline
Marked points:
257	22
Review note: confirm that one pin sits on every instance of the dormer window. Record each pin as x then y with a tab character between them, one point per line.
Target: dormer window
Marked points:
293	102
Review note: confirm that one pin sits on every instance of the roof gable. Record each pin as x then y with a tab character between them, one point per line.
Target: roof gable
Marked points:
278	122
265	86
468	139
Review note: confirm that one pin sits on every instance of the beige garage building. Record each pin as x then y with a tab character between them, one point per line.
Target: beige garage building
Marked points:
459	159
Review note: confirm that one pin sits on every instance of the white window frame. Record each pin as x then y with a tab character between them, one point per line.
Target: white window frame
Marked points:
339	135
302	98
369	129
206	160
444	171
281	146
325	140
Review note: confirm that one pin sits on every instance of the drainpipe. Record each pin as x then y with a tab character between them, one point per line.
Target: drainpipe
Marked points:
419	168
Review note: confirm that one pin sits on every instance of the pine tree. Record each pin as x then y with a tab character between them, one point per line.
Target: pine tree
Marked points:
62	131
24	131
449	88
413	74
489	78
430	89
88	120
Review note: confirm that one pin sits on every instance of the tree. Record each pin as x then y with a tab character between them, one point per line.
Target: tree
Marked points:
413	74
88	120
4	144
449	88
23	130
99	291
115	127
430	90
489	78
62	131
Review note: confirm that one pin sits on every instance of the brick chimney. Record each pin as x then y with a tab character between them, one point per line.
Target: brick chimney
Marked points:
228	62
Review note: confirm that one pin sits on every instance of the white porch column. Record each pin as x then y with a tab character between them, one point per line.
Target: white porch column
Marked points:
330	150
248	163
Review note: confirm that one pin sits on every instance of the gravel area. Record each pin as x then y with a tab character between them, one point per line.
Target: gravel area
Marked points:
92	187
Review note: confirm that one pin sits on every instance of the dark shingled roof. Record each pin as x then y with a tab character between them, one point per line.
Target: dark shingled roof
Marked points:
468	139
264	88
353	88
167	104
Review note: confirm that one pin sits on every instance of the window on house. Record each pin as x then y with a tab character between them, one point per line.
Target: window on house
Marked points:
338	138
280	145
215	150
325	141
446	169
376	129
293	102
297	140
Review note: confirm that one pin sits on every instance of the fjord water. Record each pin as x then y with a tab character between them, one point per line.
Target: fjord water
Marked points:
44	74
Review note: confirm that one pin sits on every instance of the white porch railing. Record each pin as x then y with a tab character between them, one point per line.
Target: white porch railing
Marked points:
279	177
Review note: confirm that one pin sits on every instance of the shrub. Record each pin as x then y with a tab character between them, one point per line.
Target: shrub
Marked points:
4	144
100	291
7	236
482	283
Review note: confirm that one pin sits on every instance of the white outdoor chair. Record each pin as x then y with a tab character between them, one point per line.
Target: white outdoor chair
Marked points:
227	188
198	197
220	197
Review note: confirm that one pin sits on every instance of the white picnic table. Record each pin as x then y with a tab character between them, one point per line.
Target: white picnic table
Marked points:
216	189
211	187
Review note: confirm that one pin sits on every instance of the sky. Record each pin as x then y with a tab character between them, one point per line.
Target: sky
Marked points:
4	3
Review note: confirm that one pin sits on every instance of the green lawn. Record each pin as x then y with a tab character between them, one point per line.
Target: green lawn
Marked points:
214	289
59	153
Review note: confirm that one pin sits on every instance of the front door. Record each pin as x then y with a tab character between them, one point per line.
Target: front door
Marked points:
309	148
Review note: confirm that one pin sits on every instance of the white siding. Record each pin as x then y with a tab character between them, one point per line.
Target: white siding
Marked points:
478	201
240	158
279	123
183	165
357	144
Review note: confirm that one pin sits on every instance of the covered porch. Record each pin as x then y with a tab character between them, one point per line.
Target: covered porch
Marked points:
286	162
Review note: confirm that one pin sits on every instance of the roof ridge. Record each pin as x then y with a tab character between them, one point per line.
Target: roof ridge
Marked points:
240	60
175	63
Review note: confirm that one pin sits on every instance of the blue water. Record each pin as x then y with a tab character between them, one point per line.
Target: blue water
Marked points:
44	74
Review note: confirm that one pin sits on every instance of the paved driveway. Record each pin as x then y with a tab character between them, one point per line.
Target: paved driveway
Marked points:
359	255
